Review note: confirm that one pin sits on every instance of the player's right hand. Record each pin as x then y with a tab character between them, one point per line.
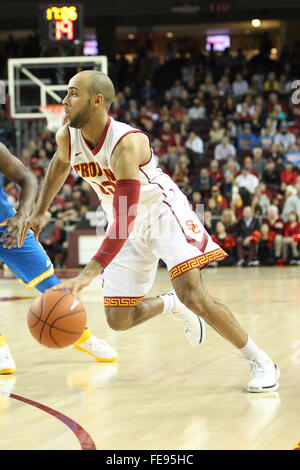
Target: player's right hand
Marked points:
35	223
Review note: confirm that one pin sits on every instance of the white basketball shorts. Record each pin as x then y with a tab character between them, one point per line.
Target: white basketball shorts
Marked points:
173	233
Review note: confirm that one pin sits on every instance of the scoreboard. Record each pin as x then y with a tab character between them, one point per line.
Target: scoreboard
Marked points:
61	23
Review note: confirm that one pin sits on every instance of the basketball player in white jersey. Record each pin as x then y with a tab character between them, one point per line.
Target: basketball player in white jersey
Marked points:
149	218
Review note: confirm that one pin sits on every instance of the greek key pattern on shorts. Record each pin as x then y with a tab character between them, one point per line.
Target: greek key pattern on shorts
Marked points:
199	261
122	301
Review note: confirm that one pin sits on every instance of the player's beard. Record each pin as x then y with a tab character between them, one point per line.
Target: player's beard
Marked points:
82	117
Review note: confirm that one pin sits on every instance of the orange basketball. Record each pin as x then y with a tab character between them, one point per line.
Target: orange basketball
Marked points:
56	319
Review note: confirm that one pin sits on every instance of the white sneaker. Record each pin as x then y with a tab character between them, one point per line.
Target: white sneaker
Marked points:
265	374
7	364
98	348
241	262
254	262
193	325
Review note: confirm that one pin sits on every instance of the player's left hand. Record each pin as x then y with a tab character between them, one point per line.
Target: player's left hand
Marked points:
15	233
92	269
74	285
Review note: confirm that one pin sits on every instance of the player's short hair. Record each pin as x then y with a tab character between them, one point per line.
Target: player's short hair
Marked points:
100	83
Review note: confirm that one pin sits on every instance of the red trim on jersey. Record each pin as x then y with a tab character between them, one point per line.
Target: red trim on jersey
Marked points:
201	246
69	143
144	164
134	132
99	145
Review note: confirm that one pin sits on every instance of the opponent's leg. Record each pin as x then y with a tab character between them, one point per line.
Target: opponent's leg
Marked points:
192	294
33	268
7	363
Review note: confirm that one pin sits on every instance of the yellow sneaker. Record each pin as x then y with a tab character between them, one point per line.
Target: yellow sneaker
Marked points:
7	364
97	348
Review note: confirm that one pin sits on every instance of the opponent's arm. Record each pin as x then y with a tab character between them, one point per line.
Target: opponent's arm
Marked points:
14	169
131	152
55	177
56	174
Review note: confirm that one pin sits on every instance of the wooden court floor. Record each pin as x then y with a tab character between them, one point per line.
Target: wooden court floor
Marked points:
161	393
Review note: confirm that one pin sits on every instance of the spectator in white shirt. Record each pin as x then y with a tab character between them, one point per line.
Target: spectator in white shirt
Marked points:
224	149
194	143
197	111
247	180
239	86
291	204
284	137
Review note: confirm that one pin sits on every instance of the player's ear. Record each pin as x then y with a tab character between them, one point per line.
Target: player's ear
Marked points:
99	99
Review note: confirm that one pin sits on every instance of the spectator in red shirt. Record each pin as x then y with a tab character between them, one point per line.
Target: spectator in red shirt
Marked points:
216	173
36	167
291	239
276	225
265	250
158	147
289	174
226	241
145	114
177	111
273	101
152	109
167	135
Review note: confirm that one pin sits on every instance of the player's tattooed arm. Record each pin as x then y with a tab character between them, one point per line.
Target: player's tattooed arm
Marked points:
16	171
55	177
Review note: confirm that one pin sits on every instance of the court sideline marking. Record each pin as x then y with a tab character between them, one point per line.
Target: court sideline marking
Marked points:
85	440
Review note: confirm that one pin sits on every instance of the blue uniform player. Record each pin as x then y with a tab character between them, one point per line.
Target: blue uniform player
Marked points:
26	258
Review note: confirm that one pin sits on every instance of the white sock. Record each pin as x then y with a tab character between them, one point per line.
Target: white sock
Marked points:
169	301
250	350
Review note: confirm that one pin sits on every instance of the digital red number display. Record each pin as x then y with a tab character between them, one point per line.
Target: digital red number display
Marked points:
61	23
64	27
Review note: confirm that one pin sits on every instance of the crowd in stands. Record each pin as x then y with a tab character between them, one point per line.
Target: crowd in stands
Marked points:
226	130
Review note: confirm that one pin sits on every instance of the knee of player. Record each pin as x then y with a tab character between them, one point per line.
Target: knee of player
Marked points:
192	296
117	319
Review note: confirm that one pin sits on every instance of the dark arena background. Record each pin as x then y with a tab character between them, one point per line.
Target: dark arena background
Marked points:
216	83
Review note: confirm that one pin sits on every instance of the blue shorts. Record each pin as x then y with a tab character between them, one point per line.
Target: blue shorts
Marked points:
30	263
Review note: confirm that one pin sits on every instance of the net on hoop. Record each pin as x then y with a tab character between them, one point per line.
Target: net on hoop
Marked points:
54	113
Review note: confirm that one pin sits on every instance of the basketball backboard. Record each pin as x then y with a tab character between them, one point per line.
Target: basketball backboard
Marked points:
39	81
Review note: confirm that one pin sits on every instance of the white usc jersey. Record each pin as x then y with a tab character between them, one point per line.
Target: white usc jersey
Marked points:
165	226
93	165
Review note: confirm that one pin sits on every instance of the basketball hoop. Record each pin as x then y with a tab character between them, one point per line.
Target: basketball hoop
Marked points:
54	113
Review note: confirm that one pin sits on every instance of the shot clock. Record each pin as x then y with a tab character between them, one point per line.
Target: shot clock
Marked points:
61	23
